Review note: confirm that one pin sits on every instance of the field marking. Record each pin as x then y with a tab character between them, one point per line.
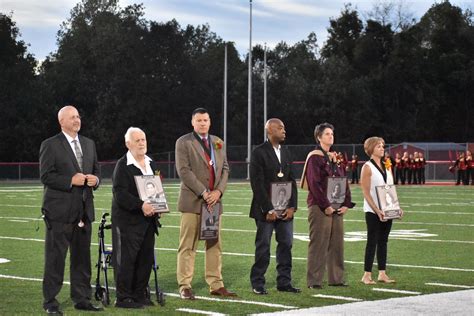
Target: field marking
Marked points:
413	266
4	260
272	256
197	311
234	214
450	285
18	221
205	298
344	298
395	291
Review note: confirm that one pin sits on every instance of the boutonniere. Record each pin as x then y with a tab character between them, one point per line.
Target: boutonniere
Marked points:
217	145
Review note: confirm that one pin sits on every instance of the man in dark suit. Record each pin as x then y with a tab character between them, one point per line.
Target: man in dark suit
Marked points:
69	171
272	163
134	224
201	163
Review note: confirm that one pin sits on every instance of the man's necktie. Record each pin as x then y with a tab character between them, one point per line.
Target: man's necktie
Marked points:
78	153
206	143
212	175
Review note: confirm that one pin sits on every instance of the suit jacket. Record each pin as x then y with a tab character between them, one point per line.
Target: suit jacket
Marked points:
126	202
264	169
63	202
193	171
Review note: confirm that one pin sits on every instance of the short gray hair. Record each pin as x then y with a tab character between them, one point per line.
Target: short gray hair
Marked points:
130	131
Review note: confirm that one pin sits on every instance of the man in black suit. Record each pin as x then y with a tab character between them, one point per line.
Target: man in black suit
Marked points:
134	224
69	171
272	163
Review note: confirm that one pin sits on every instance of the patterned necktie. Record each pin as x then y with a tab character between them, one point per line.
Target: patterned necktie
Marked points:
206	143
78	153
212	175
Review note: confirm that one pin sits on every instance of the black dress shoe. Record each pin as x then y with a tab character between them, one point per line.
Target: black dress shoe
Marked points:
343	284
146	302
128	303
315	287
53	310
87	306
260	291
288	288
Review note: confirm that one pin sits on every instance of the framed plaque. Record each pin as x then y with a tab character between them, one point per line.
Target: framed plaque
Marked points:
336	191
150	189
210	221
280	196
388	201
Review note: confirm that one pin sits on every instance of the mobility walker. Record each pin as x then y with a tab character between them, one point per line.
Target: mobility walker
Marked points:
105	261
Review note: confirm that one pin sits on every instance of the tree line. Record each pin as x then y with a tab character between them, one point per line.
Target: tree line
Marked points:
385	74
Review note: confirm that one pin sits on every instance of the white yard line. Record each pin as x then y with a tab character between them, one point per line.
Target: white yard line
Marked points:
395	291
197	311
450	285
295	258
336	297
205	298
450	303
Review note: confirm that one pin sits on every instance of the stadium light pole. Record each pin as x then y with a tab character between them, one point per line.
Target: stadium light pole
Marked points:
264	91
225	94
249	110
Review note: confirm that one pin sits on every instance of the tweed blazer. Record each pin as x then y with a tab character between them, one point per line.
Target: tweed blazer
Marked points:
193	170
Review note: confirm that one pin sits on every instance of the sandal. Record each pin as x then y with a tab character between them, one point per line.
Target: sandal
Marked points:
368	281
386	280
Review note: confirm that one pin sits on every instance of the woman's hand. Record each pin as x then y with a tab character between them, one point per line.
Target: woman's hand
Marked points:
329	211
381	216
342	210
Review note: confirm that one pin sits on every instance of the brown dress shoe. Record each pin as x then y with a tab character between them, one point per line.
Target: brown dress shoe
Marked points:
187	294
223	292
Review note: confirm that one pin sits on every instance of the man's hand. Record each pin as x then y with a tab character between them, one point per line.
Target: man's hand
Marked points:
342	210
329	211
212	197
288	214
148	209
271	216
91	180
78	179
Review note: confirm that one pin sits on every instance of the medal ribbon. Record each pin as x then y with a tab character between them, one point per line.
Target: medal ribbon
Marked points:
330	162
382	171
210	164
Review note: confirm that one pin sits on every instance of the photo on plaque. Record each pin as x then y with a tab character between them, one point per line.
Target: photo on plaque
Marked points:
388	201
336	191
150	189
280	196
210	221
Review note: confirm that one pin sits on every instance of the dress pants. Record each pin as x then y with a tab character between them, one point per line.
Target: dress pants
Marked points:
377	238
188	243
284	238
133	255
59	238
325	248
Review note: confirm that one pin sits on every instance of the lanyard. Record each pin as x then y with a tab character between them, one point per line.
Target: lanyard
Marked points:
330	162
382	171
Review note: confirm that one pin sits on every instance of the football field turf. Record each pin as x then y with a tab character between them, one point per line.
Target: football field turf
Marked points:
430	251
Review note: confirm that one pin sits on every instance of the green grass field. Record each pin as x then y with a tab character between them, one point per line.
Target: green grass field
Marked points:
434	243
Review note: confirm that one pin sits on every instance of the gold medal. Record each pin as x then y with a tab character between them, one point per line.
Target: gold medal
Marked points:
280	174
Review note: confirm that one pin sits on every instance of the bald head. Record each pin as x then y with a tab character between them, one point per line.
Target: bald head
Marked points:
275	131
69	120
